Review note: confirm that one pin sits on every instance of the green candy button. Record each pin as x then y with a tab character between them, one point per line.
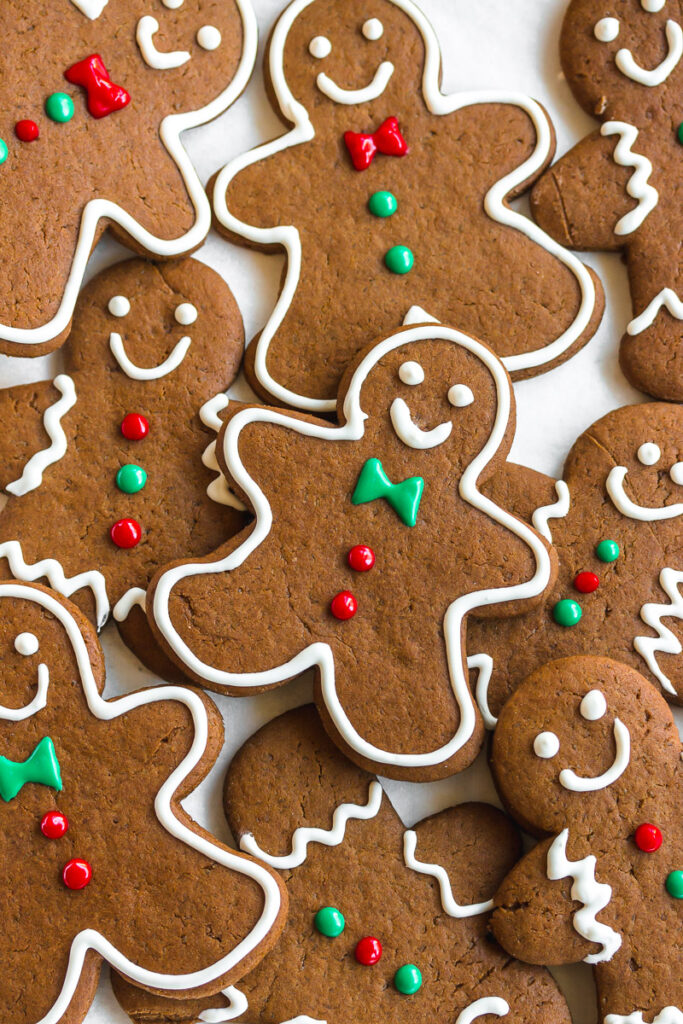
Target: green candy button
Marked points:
607	551
330	922
3	151
674	885
383	204
567	612
408	979
59	107
130	479
679	133
399	260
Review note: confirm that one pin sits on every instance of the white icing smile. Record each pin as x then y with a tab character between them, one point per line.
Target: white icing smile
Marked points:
38	702
411	434
370	92
160	61
628	65
172	362
643	514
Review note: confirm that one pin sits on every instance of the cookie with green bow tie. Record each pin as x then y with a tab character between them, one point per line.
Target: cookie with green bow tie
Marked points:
371	546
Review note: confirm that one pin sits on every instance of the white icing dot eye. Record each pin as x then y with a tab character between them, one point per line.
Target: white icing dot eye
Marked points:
26	643
652	6
172	5
676	473
119	305
546	745
185	314
208	37
649	453
373	29
460	396
606	30
593	706
320	47
411	372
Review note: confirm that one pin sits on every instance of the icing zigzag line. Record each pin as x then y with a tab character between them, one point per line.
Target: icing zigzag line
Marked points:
558	510
669	1015
652	614
218	489
238	1005
667	299
32	476
436	871
638	188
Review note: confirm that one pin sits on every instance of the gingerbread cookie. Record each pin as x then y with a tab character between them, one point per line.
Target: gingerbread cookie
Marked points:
372	544
97	96
587	754
616	190
111	868
385	924
103	465
615	524
383	151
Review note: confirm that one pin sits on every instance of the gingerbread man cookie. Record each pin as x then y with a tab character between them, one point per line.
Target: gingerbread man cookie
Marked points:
396	175
100	862
587	754
97	96
615	522
616	190
385	924
372	544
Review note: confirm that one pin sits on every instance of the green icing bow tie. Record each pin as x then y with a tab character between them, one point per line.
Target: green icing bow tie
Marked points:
404	498
42	766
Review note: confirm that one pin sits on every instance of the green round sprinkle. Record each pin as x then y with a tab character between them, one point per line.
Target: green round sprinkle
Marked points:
330	922
3	151
383	204
567	612
607	551
399	259
130	479
679	133
408	979
674	885
59	107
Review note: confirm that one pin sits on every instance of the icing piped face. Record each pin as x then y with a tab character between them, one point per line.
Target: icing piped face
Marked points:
207	37
406	429
649	455
607	29
184	313
320	47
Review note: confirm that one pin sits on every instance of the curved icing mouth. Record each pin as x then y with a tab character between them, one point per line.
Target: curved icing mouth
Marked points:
411	434
369	92
643	513
147	28
628	65
172	361
37	704
588	784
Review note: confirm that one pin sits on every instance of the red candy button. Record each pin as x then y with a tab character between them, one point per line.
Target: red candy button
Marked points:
26	131
126	533
134	426
54	825
76	874
368	951
648	838
586	582
361	558
344	606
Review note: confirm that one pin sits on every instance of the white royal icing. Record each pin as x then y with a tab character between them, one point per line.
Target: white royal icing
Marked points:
652	6
119	305
590	784
328	87
304	1019
171	363
666	642
676	473
606	30
209	37
320	47
146	29
546	745
628	65
641	513
638	186
667	299
411	434
496	205
418	315
238	1005
124	605
558	510
482	1007
373	29
411	372
32	475
594	896
483	663
172	5
218	489
185	314
649	453
26	644
436	871
104	710
38	702
91	8
460	396
319	654
669	1015
324	836
593	707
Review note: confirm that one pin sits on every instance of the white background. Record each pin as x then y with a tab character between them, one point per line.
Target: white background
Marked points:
486	44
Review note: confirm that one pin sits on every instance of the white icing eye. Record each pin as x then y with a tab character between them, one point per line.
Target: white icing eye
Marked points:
676	473
649	453
652	6
119	305
185	314
460	396
320	47
546	745
26	643
606	30
411	373
373	29
172	5
593	706
208	37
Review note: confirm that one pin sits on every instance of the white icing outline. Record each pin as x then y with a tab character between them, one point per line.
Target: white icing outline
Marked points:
638	186
418	315
218	490
628	65
666	299
666	642
147	28
412	435
558	510
106	710
91	8
669	1015
287	236
37	704
641	513
328	87
238	1005
482	1007
96	210
483	663
324	836
132	597
590	784
319	654
171	363
32	475
594	896
448	901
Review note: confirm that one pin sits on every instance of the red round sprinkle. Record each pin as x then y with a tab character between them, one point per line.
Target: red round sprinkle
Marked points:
586	582
368	951
648	838
26	131
54	825
134	426
76	874
361	558
344	606
126	533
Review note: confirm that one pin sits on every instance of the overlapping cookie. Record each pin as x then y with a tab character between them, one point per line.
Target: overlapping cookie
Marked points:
99	861
405	190
97	95
620	188
385	924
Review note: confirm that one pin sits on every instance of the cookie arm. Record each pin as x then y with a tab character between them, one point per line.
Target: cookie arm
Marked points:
252	196
23	416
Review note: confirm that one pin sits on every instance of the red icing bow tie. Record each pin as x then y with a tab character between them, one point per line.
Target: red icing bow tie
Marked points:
386	140
103	96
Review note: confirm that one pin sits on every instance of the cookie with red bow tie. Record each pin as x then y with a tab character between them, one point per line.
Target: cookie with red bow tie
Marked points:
406	193
96	97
